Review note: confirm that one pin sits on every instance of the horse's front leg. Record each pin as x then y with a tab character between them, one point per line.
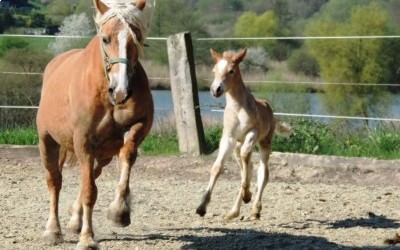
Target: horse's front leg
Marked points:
76	210
88	191
119	210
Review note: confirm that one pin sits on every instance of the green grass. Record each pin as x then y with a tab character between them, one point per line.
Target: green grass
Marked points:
19	136
309	137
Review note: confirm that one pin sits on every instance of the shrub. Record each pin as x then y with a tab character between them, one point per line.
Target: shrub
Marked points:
302	62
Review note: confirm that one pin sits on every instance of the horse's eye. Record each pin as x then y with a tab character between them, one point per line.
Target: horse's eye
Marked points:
106	39
231	72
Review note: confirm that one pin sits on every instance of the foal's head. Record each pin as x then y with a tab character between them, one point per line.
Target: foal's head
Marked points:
121	30
226	70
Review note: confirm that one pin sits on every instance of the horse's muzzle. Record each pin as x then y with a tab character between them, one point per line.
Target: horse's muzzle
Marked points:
118	97
218	91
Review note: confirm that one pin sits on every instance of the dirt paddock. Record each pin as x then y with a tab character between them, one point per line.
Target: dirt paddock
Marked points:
310	203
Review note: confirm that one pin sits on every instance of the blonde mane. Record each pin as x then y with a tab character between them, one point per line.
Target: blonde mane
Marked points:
128	14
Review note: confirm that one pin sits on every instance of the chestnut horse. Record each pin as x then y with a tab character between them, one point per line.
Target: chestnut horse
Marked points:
247	121
95	103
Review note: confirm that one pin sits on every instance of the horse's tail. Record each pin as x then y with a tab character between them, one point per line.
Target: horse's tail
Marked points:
66	157
282	129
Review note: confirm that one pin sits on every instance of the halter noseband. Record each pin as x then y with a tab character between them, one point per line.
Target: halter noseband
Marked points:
110	61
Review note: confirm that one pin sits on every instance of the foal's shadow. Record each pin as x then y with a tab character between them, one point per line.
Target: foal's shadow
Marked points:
371	221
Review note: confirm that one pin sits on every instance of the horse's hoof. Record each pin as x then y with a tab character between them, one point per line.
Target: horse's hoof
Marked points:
119	215
52	238
246	197
87	245
201	211
231	215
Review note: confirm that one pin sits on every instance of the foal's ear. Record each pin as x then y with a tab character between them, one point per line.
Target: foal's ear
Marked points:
239	56
140	4
100	6
215	55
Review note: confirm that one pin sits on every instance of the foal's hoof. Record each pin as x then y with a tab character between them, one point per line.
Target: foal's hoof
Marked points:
87	245
393	241
231	215
255	216
201	210
119	215
246	197
52	238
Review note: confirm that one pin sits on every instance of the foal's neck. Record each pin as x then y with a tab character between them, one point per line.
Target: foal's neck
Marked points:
238	91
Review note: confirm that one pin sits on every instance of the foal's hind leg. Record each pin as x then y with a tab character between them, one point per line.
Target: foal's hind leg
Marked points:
225	149
246	173
262	177
75	223
49	153
119	210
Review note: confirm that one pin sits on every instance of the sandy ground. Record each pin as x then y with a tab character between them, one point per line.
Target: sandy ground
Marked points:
310	203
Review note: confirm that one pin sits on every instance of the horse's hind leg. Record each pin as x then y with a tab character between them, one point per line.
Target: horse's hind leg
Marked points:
75	223
119	209
226	146
49	153
262	176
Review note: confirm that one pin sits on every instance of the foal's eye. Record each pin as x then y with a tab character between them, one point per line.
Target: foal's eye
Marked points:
231	72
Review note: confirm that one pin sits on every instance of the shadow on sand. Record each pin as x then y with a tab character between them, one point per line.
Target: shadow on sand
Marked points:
241	239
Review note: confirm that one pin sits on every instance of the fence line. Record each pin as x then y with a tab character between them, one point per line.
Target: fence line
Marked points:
69	36
330	116
252	82
224	38
296	38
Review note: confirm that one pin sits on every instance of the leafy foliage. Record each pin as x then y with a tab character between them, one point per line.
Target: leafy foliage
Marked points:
354	61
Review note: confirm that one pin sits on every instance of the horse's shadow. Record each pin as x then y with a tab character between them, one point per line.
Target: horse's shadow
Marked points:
224	238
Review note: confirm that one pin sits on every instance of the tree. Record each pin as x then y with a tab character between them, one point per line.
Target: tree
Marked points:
353	61
74	25
57	10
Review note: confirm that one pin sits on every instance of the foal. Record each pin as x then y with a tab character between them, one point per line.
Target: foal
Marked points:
247	121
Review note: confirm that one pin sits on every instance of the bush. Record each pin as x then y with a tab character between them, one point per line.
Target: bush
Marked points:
302	62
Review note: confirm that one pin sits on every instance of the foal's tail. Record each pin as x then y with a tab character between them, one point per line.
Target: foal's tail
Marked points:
282	129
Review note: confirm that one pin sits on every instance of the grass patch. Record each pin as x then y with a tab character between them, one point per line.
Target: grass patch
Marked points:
160	144
19	136
309	137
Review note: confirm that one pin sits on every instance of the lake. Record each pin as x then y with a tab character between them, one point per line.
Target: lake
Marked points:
301	103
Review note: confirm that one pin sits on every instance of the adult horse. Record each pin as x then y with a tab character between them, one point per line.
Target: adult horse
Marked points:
96	103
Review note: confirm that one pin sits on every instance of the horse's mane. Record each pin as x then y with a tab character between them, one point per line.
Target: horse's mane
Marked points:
129	14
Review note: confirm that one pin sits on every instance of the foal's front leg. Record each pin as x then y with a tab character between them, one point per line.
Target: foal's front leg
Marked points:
246	172
226	146
119	210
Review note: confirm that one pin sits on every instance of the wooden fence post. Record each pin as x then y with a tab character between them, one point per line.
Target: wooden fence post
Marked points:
185	94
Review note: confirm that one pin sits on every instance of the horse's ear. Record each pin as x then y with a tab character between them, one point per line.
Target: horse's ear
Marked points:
140	4
100	6
215	55
240	56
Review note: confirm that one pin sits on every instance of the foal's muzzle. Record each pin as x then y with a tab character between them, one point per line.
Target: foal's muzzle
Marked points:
217	92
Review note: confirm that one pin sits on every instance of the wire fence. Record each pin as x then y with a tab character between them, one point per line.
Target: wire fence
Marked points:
252	82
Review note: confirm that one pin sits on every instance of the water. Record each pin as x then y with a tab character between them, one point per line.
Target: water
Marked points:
301	103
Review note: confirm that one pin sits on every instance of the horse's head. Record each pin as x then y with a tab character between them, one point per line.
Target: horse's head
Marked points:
121	32
226	70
